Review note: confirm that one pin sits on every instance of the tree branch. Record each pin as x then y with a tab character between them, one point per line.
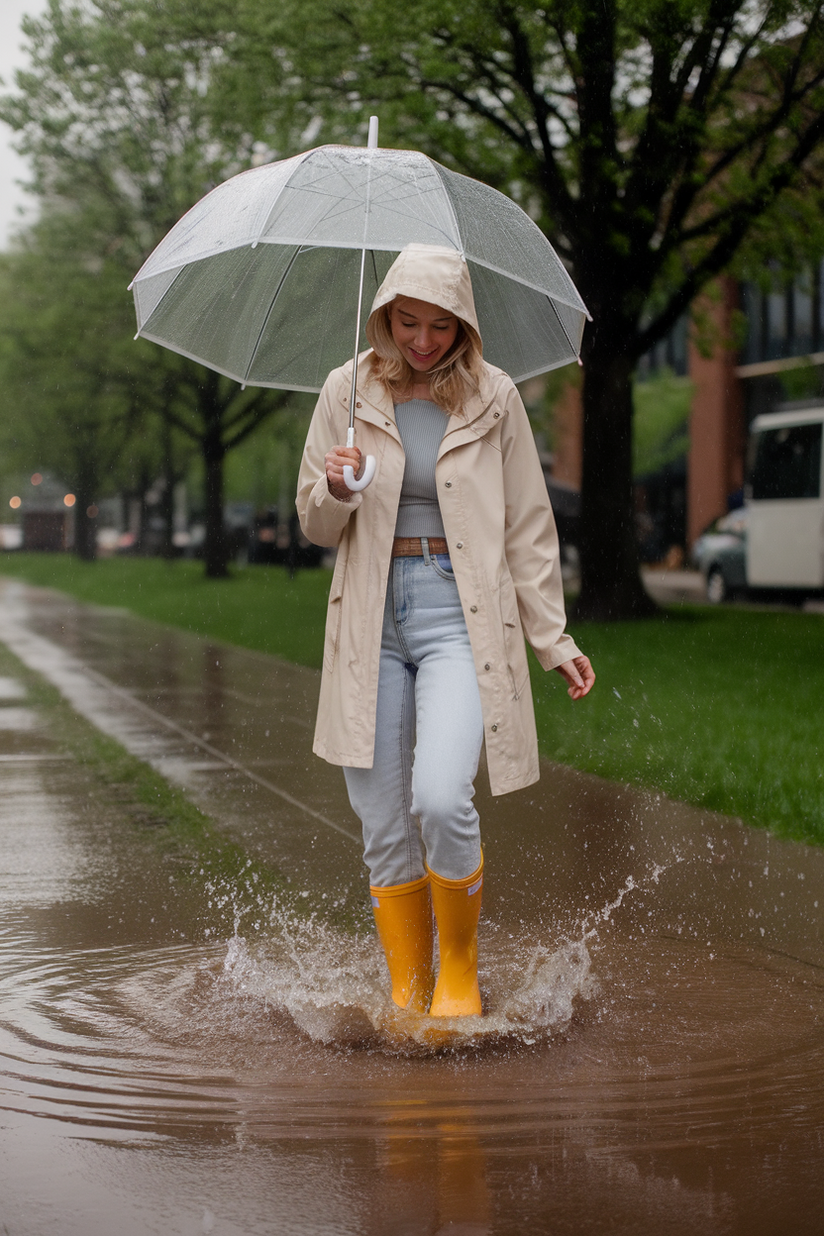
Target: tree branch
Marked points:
738	219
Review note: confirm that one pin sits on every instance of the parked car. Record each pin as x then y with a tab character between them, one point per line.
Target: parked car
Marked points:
720	553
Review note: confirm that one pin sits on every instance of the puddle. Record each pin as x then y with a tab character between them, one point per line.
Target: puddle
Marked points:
183	1054
11	689
17	719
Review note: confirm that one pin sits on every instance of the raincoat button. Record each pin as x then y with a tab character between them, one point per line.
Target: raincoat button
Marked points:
473	609
448	484
494	729
487	666
495	415
459	545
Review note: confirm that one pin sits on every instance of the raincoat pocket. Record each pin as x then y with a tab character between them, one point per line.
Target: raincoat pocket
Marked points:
515	646
333	614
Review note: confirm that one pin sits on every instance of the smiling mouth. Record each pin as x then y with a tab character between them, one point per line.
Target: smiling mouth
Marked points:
423	355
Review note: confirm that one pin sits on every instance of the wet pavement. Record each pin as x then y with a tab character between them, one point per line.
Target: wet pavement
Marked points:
184	1052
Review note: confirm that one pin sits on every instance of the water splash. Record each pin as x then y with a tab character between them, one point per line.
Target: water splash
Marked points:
589	924
333	986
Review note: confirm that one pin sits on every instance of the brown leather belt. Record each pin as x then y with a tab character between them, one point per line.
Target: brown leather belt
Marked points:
411	546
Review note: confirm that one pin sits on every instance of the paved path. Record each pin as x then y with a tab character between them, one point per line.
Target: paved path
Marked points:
234	729
706	939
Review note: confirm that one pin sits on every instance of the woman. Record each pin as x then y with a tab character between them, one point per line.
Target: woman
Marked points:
443	564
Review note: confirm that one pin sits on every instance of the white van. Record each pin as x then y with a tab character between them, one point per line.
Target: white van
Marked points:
785	500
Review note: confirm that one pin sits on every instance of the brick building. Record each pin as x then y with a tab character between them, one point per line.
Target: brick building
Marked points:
765	349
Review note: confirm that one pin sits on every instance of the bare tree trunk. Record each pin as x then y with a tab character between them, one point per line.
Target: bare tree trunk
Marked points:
166	512
85	526
216	548
167	497
611	586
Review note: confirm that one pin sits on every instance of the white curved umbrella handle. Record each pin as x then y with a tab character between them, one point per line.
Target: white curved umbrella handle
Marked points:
366	479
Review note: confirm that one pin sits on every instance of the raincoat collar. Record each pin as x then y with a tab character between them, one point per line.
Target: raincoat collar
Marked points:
373	402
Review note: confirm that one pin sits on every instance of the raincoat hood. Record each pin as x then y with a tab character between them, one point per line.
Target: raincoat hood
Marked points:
433	273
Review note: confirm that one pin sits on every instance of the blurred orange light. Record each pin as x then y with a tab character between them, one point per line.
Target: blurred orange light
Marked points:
36	479
92	511
69	500
15	502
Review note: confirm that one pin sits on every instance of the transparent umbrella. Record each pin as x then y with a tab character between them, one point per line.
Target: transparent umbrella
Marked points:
266	278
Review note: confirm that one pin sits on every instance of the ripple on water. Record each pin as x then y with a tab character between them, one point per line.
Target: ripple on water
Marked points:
294	1028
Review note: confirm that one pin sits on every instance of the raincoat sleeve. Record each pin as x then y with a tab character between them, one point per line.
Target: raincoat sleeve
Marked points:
323	517
531	541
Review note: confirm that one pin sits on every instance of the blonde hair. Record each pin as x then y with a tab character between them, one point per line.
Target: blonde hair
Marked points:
451	382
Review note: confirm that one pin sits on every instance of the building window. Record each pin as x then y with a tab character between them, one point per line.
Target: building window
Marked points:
669	353
776	319
801	336
786	321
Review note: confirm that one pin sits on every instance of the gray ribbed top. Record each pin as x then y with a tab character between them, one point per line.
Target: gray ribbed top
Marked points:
421	425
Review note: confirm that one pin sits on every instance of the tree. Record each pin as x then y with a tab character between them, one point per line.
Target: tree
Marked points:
113	117
64	408
651	139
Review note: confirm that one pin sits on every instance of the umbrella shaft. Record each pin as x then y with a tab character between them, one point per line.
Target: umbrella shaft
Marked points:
373	144
357	342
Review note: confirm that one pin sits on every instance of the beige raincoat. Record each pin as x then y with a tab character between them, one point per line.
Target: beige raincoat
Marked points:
499	528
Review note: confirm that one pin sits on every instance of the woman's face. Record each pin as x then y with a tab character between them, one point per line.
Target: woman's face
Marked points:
423	332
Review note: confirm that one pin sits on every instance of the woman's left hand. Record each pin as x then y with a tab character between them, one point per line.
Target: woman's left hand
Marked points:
579	674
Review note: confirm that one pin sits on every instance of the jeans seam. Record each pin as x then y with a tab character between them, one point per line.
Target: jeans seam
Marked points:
406	779
404	606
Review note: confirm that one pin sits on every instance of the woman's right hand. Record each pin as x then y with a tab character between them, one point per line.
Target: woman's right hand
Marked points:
336	460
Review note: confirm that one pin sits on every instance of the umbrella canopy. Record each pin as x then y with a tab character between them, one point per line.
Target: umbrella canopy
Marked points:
260	279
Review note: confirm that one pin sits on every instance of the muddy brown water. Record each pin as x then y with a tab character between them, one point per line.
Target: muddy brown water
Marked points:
180	1053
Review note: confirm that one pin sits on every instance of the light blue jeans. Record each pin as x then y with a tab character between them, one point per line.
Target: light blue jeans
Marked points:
415	802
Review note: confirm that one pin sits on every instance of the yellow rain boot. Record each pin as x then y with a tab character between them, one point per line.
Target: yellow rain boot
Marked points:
457	906
403	914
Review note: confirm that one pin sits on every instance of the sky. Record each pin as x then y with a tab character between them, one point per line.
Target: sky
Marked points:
12	167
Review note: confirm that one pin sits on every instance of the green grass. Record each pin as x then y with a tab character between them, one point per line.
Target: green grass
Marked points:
258	607
723	708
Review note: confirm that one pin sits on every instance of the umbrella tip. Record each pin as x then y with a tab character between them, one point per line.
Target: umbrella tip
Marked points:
243	386
137	336
372	141
580	362
131	285
254	244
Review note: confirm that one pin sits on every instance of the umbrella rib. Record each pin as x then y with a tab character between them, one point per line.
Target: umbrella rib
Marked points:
265	321
344	206
572	346
298	161
562	298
